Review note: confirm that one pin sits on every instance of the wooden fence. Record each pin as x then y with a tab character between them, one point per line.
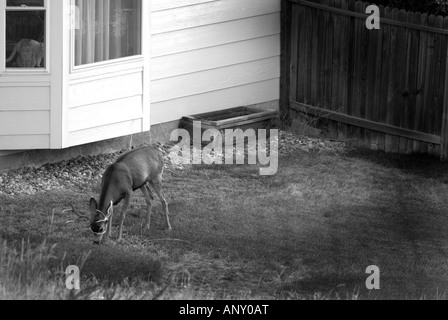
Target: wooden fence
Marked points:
388	87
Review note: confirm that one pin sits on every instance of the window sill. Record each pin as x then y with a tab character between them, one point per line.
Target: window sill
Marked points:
24	72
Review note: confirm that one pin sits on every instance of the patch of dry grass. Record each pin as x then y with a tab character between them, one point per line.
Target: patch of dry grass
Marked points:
308	232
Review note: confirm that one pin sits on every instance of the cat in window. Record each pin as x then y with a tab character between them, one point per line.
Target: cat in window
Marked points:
30	54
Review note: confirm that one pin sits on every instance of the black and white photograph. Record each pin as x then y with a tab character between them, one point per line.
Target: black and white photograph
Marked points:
224	155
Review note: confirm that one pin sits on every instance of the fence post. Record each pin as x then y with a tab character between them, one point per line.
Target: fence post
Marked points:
444	134
285	77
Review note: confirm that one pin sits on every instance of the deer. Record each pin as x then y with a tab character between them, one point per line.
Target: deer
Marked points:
137	169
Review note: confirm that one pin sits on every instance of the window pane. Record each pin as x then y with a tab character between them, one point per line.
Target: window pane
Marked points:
28	3
25	37
106	30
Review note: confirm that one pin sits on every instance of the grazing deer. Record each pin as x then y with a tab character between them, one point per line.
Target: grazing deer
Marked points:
134	170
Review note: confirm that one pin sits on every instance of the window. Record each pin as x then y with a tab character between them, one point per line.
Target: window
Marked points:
25	33
107	30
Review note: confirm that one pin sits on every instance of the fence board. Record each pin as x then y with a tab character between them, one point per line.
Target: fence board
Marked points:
395	77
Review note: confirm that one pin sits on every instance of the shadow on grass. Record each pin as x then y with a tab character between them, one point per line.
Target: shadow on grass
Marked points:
417	164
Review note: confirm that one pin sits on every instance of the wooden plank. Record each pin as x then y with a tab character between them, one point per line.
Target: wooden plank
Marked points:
25	98
314	54
210	13
285	62
215	57
391	141
419	110
358	47
105	132
399	116
294	55
429	84
105	113
328	60
159	5
376	101
444	135
319	57
112	88
25	142
336	59
302	55
437	106
343	56
372	50
441	81
24	123
364	68
412	80
343	83
364	16
309	55
250	94
366	124
216	79
205	36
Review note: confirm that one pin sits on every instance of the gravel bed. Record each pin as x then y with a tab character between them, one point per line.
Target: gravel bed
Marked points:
80	173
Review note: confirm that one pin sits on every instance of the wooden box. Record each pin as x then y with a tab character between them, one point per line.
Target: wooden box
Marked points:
237	118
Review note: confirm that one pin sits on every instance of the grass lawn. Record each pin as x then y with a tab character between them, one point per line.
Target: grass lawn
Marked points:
308	232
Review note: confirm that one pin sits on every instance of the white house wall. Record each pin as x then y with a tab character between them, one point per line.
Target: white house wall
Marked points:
106	106
213	55
25	118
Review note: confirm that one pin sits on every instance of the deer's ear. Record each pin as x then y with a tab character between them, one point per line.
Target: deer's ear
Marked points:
93	205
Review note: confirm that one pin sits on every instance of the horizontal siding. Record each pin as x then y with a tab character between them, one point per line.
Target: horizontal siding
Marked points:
25	142
215	35
210	13
215	79
101	114
215	57
159	5
105	132
105	89
25	114
24	123
18	97
244	95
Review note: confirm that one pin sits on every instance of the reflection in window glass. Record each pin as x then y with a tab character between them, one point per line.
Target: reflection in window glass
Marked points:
25	37
107	29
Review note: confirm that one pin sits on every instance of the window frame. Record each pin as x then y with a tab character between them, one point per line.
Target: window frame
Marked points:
47	36
100	64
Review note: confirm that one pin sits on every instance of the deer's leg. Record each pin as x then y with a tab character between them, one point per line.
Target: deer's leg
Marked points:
149	197
109	226
126	201
157	184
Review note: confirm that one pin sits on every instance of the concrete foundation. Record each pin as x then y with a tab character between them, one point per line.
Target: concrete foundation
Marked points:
36	158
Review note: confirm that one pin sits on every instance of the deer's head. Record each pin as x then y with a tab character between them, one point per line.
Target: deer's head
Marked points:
99	221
